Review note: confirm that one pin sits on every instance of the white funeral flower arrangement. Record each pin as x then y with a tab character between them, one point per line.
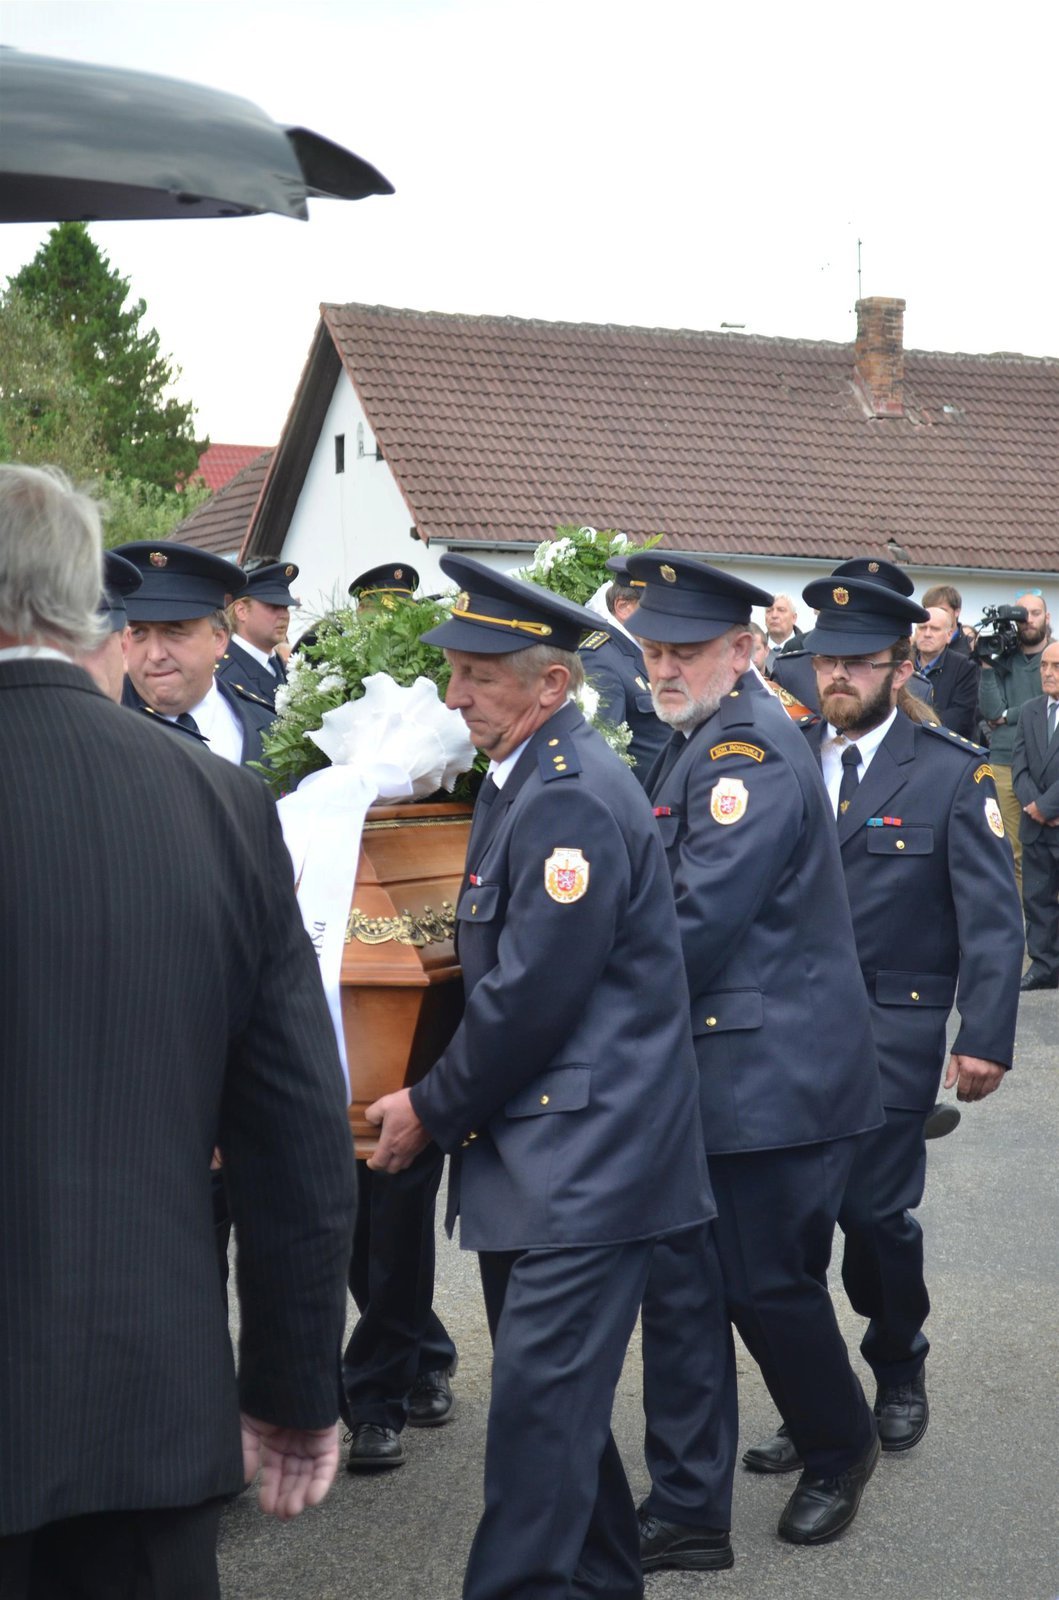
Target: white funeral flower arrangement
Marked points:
405	737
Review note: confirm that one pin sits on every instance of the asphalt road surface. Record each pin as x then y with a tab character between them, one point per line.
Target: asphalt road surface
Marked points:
971	1514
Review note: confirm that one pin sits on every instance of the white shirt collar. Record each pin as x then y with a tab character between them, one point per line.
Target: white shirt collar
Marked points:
500	771
34	652
832	746
218	723
255	654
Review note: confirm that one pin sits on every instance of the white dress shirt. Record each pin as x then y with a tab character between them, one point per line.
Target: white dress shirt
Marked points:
832	746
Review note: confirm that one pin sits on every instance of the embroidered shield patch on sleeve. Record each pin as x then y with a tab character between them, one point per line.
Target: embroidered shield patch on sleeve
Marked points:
993	816
566	876
728	801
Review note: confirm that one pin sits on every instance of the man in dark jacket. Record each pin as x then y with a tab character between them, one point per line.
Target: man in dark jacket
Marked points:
953	677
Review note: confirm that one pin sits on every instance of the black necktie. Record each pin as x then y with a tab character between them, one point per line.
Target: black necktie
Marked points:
277	668
186	720
665	761
486	795
850	779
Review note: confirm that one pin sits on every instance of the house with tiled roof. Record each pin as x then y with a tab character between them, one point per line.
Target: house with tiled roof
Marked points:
412	433
220	463
219	524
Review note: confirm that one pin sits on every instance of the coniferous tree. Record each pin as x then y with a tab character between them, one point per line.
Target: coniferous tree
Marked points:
146	434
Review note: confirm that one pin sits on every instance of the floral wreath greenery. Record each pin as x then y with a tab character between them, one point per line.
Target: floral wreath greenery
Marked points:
348	644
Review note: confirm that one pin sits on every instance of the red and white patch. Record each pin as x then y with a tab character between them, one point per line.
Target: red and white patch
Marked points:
993	817
728	801
566	876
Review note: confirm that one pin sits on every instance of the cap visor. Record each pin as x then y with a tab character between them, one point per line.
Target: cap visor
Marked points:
824	641
662	627
477	638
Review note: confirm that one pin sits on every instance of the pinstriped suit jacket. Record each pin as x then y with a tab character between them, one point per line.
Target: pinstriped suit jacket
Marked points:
157	995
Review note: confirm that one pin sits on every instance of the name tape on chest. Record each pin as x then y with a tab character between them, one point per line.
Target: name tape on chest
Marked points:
736	747
566	876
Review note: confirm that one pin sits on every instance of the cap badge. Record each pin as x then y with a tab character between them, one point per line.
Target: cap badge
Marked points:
566	876
840	596
398	573
873	566
668	574
158	559
728	801
462	601
288	572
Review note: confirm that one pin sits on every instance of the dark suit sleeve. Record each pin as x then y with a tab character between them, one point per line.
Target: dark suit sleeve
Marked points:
288	1163
988	922
725	870
608	685
549	957
1021	782
961	713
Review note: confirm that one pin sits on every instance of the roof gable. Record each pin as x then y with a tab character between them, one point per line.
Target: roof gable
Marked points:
499	429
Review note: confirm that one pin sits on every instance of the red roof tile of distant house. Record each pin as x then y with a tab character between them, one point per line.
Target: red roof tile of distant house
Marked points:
220	523
219	463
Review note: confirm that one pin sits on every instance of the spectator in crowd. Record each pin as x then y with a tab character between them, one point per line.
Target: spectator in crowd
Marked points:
159	996
1003	690
952	675
950	598
759	650
781	624
1035	778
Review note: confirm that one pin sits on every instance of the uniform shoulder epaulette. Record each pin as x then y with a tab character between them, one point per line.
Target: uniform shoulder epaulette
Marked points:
557	758
940	731
592	641
736	708
248	694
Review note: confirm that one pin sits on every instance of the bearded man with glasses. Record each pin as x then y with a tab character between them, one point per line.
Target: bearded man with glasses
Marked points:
936	919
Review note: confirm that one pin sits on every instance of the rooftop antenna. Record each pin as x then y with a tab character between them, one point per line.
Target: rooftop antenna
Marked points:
859	293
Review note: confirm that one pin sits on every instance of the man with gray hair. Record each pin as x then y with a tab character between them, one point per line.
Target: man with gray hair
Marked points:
159	996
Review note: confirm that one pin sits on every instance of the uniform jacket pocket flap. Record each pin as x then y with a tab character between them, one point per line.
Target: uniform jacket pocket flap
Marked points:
915	989
479	903
900	841
727	1012
565	1089
644	703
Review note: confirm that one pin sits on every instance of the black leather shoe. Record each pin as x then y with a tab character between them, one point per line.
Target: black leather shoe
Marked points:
778	1454
670	1544
902	1412
1033	980
821	1507
372	1448
944	1117
430	1400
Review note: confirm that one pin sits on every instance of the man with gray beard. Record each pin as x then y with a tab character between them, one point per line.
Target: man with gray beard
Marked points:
768	950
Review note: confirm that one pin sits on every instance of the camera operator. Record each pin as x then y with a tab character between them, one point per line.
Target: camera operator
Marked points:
1010	677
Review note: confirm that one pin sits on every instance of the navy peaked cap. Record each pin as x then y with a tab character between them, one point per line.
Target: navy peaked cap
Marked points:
390	578
271	583
686	601
178	581
857	618
873	570
120	579
494	614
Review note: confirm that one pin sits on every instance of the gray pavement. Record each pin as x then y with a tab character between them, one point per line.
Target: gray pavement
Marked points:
971	1514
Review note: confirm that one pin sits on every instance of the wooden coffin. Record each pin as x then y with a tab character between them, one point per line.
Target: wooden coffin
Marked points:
401	991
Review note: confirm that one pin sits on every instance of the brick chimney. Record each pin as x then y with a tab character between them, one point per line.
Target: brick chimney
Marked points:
879	357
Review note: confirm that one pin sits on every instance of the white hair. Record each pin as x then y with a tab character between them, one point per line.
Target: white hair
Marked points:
51	560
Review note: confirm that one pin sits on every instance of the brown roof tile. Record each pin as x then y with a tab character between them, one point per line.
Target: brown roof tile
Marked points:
499	429
220	523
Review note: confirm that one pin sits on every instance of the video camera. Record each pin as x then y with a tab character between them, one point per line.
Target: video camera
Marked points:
998	633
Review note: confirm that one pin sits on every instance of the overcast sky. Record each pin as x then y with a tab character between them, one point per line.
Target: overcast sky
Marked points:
664	164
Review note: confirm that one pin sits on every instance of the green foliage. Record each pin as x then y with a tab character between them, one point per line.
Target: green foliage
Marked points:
136	510
46	415
574	563
350	645
145	434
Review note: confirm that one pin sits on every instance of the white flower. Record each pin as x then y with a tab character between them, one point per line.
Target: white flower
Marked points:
283	698
588	701
589	533
330	682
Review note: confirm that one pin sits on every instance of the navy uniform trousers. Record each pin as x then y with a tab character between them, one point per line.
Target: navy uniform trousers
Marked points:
567	1316
391	1278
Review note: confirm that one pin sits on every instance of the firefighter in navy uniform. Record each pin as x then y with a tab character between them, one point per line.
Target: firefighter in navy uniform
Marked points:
614	667
259	619
936	919
768	950
177	633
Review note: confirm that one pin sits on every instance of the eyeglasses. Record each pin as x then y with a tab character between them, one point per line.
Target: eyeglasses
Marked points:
852	666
